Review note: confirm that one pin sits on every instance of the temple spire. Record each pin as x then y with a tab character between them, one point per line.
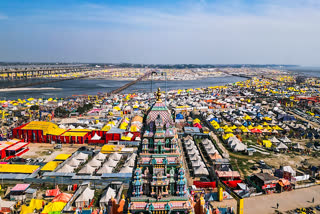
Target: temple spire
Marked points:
158	95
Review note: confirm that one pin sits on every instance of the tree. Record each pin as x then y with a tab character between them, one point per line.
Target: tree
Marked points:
34	107
61	112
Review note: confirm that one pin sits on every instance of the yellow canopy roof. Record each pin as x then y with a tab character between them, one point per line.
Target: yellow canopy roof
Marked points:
75	134
18	168
110	148
62	156
46	127
50	166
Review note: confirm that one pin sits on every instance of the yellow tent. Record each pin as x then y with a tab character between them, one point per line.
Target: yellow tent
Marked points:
267	143
227	136
53	207
247	117
26	210
228	130
234	127
36	204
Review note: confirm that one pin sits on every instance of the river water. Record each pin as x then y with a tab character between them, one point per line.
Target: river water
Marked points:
93	86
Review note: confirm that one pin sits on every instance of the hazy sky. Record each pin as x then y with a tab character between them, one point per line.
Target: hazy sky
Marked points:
162	31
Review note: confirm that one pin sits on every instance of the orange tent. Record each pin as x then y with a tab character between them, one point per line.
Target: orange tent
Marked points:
62	197
284	182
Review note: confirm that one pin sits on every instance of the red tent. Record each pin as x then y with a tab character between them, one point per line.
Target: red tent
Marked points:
53	192
256	131
197	125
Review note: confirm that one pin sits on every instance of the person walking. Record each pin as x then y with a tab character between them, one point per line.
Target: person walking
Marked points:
313	200
277	205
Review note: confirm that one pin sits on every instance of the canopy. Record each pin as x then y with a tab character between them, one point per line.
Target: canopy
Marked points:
62	156
51	165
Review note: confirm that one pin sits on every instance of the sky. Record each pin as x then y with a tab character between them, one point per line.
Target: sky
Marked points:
161	32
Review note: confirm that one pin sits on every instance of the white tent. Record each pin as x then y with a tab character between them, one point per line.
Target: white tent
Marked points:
212	150
285	139
130	162
100	156
62	126
66	169
105	169
94	163
87	170
289	169
111	163
85	198
74	163
282	146
274	140
237	147
201	170
82	156
196	163
193	157
107	195
126	169
96	137
115	156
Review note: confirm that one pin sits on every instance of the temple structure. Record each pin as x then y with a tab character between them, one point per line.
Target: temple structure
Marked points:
159	184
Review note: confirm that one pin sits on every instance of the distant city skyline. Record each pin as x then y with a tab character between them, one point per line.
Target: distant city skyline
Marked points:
161	32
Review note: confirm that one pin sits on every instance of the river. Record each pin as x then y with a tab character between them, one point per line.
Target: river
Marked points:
93	86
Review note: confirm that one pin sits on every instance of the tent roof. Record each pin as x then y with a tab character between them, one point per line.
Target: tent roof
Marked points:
62	197
66	169
96	137
100	156
94	163
105	169
86	195
74	162
126	169
87	169
20	187
115	156
107	195
81	156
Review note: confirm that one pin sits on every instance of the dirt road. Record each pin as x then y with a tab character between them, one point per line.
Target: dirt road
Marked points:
287	201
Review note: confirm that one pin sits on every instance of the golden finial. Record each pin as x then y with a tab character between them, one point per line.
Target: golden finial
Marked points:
158	95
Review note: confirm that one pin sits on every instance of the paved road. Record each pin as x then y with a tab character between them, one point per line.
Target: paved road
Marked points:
287	201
